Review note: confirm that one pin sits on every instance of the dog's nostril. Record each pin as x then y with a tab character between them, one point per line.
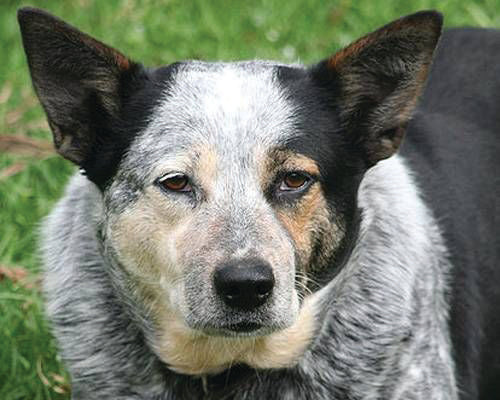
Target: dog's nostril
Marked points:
244	284
231	291
264	288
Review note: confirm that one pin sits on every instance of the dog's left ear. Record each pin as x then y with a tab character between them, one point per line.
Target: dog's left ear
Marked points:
376	81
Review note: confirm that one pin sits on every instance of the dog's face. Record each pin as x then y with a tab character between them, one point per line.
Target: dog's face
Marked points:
228	187
228	203
222	197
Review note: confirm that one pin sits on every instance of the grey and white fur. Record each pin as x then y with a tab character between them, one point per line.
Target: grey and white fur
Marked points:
392	297
247	231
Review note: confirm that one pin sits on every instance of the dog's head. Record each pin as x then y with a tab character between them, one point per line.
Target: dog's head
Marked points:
229	189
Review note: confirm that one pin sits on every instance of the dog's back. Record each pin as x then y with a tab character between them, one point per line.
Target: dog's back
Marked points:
453	144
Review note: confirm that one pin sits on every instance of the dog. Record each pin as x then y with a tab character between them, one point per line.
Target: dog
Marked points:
256	230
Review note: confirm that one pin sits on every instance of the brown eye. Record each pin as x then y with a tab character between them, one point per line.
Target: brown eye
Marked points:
176	183
294	181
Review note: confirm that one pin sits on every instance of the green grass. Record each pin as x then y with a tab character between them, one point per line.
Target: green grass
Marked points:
154	32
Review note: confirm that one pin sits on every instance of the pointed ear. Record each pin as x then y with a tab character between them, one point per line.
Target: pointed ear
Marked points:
78	80
378	79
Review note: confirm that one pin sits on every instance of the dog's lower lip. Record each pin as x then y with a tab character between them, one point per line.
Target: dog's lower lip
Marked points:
244	327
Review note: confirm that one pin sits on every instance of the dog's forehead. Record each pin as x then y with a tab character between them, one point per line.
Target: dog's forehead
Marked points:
233	108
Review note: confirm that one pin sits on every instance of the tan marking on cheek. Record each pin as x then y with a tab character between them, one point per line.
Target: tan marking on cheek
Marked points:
134	236
189	352
307	220
144	236
206	168
283	349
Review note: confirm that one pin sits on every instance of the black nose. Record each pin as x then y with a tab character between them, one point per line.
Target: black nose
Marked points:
244	284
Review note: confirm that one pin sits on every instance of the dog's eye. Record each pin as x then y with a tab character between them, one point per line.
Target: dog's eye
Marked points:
294	181
175	182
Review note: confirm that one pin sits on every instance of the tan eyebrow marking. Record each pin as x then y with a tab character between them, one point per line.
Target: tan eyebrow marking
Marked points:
284	159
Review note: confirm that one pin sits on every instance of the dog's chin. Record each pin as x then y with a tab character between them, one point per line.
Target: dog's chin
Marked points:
240	329
197	345
240	324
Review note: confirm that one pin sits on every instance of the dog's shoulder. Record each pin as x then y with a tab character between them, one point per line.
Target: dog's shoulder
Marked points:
452	145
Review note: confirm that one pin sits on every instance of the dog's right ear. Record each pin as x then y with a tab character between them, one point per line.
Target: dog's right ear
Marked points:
79	81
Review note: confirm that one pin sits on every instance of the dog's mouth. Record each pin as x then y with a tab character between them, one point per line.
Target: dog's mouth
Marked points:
239	329
242	327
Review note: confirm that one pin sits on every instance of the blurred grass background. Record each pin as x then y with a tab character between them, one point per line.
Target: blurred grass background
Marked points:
154	32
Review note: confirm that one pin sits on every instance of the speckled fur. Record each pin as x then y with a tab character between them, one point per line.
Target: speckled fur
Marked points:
386	308
359	304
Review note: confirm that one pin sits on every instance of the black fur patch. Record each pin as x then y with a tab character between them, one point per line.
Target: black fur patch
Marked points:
140	96
339	158
95	98
453	144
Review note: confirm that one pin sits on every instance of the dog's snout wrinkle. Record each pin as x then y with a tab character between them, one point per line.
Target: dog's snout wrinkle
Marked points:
244	284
